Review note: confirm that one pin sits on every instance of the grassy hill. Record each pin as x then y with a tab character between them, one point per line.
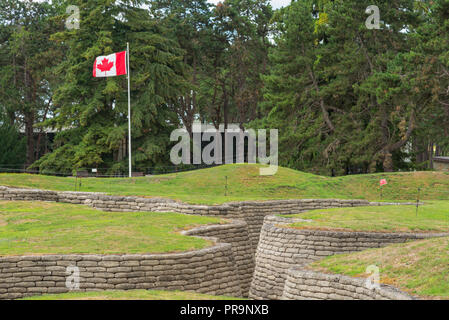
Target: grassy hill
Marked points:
432	217
207	186
59	228
419	268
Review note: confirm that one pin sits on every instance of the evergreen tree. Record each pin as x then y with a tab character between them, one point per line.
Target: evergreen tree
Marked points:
189	23
337	90
429	62
12	144
92	112
244	26
27	58
345	98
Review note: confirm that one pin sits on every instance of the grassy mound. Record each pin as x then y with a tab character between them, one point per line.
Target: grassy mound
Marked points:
45	228
419	268
207	186
130	295
432	217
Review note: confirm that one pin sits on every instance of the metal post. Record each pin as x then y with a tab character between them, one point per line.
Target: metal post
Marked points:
129	109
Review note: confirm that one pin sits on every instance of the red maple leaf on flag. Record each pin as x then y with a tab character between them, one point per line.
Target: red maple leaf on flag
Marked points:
105	65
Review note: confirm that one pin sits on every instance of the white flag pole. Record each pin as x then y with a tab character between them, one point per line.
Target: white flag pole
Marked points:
129	109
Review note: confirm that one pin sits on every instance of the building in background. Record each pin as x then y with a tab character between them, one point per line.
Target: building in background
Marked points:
43	140
441	163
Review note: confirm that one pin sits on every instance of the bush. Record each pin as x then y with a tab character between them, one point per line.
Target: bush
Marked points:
12	147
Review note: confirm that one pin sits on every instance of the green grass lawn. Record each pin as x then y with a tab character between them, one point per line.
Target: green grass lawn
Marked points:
130	295
56	228
420	268
207	186
432	217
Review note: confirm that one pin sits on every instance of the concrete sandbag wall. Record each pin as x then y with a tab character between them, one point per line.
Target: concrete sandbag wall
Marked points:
311	285
281	248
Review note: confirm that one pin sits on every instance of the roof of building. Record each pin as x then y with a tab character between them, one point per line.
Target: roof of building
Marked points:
441	159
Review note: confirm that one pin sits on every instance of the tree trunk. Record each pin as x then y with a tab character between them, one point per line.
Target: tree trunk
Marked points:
388	162
390	147
29	133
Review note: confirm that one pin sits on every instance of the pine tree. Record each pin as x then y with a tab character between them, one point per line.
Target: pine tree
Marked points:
337	89
92	112
26	66
189	23
12	146
429	62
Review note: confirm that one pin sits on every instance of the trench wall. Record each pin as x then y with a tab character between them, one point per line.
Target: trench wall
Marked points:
281	248
237	235
210	271
310	285
213	270
240	238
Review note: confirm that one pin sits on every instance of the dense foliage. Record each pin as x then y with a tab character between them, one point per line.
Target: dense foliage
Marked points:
345	98
12	148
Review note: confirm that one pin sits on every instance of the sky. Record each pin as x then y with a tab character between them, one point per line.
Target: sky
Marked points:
275	3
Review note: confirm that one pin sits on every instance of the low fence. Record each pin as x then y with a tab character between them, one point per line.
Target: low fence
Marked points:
105	172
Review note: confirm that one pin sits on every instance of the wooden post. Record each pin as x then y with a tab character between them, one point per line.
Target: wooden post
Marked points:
226	186
417	202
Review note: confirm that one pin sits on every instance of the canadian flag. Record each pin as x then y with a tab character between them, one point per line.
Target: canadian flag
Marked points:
110	66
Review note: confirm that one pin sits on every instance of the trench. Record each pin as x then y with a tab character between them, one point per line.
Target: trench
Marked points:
247	267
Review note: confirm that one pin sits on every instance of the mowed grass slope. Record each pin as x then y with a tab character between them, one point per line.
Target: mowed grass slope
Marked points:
420	268
207	186
431	217
32	228
130	295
